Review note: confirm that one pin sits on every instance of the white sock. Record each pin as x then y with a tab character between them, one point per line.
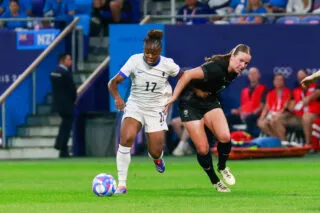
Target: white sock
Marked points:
157	158
123	162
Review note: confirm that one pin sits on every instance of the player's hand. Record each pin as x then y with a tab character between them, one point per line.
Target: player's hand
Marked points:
307	81
166	108
201	93
119	104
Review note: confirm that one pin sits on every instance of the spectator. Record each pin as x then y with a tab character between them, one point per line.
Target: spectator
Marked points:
251	103
219	6
276	6
2	7
254	7
236	7
116	7
64	96
105	12
311	107
25	6
299	6
59	8
15	12
191	8
277	102
293	116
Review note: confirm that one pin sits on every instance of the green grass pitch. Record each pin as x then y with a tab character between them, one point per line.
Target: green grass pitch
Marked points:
268	185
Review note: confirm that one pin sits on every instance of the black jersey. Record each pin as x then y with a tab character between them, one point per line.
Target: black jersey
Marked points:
216	78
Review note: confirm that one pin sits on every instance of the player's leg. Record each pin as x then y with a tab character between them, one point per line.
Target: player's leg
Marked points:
307	120
216	121
155	149
263	124
277	124
155	127
115	8
129	129
198	135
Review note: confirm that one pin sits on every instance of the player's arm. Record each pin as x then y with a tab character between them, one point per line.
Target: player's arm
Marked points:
186	77
313	96
264	112
310	79
113	89
200	93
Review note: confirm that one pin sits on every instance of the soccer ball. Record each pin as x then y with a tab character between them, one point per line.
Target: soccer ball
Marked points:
104	185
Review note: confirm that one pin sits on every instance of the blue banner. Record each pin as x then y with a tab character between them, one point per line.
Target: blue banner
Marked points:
126	40
13	63
35	39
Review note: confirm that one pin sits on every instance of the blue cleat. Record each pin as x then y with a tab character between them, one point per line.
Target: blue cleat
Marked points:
121	190
160	165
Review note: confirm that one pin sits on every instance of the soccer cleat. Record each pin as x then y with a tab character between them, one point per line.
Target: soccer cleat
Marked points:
160	165
227	176
221	187
121	190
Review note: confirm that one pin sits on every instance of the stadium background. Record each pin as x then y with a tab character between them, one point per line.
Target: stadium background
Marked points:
64	185
275	48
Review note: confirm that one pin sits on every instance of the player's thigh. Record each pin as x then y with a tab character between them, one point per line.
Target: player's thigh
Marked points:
198	135
308	118
293	120
216	121
132	122
129	130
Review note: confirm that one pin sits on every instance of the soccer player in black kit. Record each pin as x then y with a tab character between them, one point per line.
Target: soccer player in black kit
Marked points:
200	109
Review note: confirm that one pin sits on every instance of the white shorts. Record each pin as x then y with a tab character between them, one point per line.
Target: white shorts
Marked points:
152	120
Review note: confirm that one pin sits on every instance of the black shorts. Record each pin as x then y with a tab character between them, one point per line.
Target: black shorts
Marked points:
192	111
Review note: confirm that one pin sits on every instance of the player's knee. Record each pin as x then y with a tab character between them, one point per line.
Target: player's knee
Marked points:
202	150
224	137
260	124
127	140
274	121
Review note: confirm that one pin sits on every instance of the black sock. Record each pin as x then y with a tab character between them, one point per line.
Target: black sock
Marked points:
205	162
224	151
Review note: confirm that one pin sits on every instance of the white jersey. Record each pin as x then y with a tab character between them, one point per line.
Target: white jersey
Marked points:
149	84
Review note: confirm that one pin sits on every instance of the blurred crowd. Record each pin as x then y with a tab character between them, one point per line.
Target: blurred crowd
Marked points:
100	13
258	8
91	12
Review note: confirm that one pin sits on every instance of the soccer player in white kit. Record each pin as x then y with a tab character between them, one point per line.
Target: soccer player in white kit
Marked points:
150	92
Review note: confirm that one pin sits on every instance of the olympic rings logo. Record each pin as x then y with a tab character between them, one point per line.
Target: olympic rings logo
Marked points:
312	70
285	71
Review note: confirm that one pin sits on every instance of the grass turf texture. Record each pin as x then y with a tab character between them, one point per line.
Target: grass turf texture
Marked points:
273	185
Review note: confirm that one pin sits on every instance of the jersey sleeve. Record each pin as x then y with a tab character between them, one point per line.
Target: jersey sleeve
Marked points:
128	67
211	71
174	69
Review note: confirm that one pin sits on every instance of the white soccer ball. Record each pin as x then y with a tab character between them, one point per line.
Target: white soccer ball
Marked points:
104	185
